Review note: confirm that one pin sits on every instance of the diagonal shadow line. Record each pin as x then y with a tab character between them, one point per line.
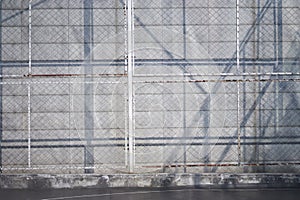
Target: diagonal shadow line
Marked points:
165	50
263	133
242	47
170	56
22	11
245	120
249	33
297	57
168	53
254	157
228	68
253	27
204	106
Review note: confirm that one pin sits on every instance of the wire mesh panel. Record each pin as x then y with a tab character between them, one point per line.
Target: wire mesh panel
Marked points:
114	86
70	58
98	121
263	102
14	126
178	116
14	35
270	131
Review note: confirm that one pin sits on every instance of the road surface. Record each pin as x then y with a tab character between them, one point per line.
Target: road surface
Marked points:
154	193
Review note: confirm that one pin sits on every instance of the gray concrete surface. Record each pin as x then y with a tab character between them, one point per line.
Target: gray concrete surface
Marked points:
150	181
161	194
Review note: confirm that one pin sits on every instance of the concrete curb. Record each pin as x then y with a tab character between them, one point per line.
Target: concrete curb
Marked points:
42	181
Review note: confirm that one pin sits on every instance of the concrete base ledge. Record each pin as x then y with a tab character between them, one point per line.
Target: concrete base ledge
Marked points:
43	181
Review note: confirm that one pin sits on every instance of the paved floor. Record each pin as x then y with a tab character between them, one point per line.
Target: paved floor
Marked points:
157	194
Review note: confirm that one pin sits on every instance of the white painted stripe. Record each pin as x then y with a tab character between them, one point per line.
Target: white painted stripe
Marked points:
119	194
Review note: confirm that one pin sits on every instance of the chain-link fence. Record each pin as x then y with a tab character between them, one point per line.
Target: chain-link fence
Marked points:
117	86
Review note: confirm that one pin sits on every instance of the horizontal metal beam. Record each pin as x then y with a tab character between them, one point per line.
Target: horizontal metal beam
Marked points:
154	139
224	164
34	146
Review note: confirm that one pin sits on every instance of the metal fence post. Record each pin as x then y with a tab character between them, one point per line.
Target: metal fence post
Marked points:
238	72
29	123
88	87
29	37
279	60
1	128
29	86
130	46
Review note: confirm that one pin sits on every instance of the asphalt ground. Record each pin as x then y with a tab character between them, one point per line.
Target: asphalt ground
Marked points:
151	193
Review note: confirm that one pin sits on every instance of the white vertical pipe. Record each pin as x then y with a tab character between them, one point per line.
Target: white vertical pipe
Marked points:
125	92
29	123
130	68
133	89
29	37
28	86
238	72
125	38
238	36
276	67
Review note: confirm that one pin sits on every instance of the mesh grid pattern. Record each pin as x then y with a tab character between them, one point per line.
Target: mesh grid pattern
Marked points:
64	86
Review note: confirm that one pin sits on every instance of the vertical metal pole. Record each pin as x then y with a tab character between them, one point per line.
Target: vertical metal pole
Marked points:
275	32
279	63
276	99
130	69
256	56
279	35
29	37
125	38
125	92
116	8
29	123
184	88
70	90
238	72
1	87
88	88
29	86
